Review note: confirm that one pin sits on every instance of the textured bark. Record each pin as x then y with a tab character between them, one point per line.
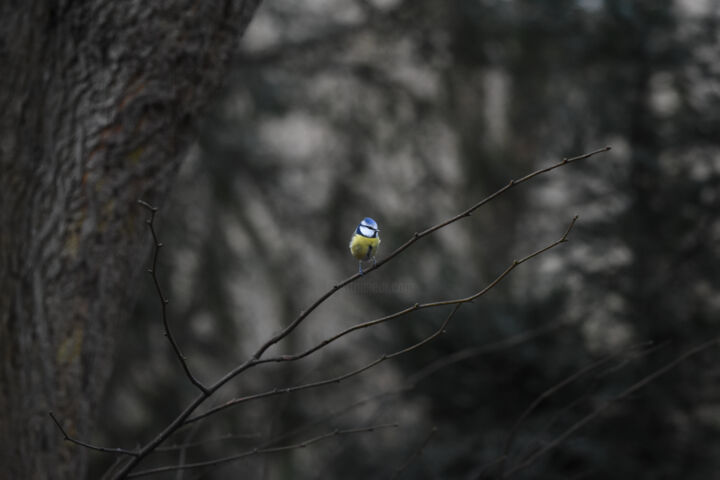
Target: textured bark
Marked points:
96	98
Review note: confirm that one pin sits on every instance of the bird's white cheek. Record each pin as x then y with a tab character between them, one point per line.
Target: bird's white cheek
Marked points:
366	232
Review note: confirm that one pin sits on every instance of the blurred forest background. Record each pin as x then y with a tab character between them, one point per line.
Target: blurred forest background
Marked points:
410	112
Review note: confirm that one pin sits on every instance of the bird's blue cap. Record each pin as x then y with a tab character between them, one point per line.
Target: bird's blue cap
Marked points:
369	222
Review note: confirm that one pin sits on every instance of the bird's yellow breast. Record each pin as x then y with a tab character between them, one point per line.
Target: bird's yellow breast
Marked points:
363	248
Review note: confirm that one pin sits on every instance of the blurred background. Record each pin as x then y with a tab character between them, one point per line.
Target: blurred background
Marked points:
409	112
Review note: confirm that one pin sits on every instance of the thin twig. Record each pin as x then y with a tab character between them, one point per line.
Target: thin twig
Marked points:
625	393
121	451
554	389
278	391
163	300
182	452
471	352
429	370
416	453
438	365
258	451
205	442
329	381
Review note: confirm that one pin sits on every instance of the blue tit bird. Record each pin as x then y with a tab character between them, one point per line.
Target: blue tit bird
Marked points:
364	242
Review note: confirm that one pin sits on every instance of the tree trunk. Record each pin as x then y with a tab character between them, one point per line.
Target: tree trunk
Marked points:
96	98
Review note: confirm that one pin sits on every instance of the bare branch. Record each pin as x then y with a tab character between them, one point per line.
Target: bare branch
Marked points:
258	451
457	303
471	352
182	419
201	443
163	300
255	358
418	452
434	367
624	394
416	236
120	451
421	306
555	388
338	379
